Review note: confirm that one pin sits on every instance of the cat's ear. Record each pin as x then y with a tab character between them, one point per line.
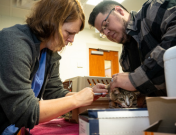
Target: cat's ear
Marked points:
116	91
107	87
137	93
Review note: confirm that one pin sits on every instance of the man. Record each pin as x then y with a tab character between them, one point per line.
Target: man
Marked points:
145	36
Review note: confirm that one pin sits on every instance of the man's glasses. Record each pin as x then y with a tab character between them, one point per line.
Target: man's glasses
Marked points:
104	25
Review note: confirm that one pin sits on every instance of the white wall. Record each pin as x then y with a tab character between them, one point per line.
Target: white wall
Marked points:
7	21
78	54
75	56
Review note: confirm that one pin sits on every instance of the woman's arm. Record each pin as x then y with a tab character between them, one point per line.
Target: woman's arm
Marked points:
50	109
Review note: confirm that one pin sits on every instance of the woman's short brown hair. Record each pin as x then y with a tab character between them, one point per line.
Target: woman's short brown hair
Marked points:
48	17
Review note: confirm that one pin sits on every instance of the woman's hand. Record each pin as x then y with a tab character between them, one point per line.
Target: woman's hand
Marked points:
84	97
99	88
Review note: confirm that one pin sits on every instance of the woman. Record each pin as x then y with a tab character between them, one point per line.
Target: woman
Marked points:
29	66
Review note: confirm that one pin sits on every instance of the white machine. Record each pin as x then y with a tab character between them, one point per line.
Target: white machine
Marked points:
170	71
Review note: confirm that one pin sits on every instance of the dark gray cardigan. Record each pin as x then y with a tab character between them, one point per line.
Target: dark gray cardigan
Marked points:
19	61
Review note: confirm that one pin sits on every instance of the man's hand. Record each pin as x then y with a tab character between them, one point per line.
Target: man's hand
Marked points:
122	80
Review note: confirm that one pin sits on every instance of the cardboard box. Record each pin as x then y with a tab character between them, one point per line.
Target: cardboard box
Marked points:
113	121
162	116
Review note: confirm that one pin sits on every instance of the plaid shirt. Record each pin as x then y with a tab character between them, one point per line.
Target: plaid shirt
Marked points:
153	29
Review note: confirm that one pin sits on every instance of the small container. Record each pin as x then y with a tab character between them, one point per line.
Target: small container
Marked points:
170	71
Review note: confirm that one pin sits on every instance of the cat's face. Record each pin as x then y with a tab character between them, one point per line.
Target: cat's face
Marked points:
123	98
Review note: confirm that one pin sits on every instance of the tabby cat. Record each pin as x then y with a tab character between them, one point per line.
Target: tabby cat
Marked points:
120	98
